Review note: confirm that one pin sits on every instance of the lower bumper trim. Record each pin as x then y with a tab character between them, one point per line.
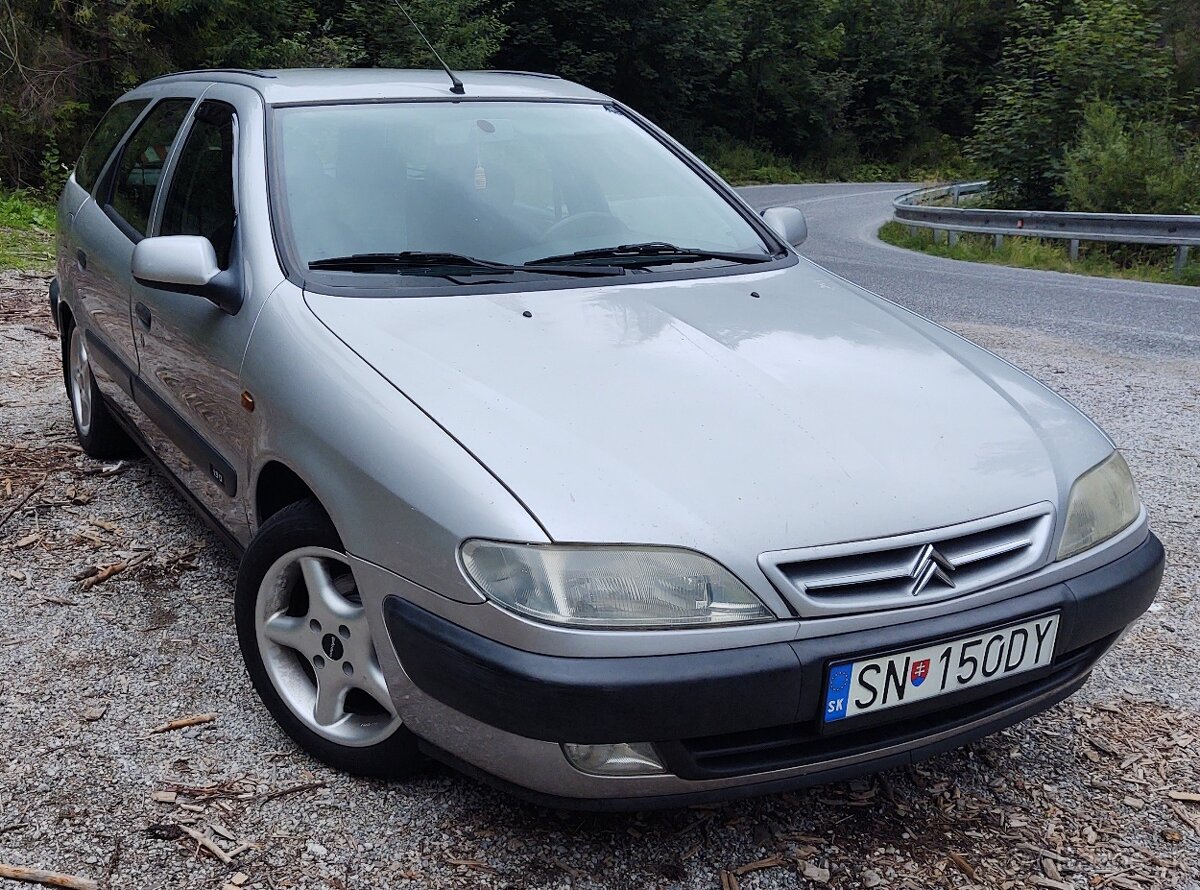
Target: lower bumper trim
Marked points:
785	747
594	700
837	771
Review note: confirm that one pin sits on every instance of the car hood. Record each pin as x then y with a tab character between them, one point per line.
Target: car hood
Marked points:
732	414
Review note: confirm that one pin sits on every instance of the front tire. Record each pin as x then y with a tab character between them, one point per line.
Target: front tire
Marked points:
98	431
307	646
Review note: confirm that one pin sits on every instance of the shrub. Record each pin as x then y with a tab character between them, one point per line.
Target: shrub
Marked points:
743	164
1118	166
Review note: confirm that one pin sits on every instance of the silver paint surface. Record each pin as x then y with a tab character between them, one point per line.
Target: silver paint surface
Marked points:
175	259
693	414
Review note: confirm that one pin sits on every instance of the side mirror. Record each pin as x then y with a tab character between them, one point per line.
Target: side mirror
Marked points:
788	223
186	264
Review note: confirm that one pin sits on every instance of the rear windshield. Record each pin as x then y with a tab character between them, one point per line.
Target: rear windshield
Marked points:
506	182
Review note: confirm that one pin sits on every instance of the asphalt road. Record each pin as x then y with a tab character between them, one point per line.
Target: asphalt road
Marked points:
1129	317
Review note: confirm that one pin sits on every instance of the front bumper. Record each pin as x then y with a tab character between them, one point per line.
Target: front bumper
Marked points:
732	722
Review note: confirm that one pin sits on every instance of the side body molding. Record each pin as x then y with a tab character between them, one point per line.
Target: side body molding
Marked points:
166	418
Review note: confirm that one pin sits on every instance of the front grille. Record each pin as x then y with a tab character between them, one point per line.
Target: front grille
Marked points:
906	570
804	744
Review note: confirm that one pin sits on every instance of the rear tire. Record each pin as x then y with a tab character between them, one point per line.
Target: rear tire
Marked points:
307	647
96	428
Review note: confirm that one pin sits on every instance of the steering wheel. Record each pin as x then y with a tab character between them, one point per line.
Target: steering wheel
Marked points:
589	222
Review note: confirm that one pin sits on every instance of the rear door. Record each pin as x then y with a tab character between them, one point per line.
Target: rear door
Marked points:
92	162
107	227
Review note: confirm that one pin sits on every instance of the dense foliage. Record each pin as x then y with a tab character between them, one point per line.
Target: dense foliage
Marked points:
62	62
1052	67
1130	167
765	88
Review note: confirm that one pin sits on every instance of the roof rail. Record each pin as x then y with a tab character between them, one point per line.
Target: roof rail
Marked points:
248	71
521	73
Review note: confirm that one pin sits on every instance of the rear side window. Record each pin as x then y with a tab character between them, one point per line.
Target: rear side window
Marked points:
200	199
104	139
139	170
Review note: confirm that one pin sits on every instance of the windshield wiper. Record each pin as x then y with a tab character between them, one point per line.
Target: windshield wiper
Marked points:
442	264
649	253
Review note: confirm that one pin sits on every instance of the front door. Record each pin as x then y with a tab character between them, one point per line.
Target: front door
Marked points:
189	351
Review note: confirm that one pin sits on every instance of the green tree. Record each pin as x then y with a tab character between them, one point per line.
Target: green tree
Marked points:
747	70
1019	132
1051	68
822	84
1181	27
1118	166
467	33
62	62
893	58
784	87
663	58
971	34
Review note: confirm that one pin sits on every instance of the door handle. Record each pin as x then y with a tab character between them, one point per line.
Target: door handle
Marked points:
142	311
81	259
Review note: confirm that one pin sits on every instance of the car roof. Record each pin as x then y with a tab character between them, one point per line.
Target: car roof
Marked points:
301	85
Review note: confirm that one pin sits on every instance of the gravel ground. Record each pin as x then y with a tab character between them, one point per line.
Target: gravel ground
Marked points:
1078	797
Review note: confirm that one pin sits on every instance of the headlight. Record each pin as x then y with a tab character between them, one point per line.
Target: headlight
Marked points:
610	587
1103	501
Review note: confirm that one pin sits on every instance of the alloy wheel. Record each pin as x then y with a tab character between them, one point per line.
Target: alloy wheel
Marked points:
316	647
79	373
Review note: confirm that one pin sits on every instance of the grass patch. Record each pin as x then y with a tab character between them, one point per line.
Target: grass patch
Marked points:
26	232
1102	260
740	164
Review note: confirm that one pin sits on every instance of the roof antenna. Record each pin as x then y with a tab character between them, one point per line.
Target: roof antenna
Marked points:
456	85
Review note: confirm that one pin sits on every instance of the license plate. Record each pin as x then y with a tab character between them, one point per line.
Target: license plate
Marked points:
901	678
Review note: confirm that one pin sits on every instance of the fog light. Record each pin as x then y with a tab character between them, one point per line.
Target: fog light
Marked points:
619	759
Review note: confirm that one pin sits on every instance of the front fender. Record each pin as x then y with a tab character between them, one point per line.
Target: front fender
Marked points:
401	491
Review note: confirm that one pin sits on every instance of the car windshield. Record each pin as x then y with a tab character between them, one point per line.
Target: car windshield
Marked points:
500	182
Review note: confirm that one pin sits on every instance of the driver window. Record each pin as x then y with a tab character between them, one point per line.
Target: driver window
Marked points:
200	200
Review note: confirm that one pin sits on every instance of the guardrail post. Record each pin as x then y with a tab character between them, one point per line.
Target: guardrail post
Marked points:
997	241
952	238
955	194
1073	251
1181	253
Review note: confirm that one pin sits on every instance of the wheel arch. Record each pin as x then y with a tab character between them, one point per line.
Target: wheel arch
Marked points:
65	321
278	486
64	315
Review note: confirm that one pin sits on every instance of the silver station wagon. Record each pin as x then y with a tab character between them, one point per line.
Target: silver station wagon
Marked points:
547	457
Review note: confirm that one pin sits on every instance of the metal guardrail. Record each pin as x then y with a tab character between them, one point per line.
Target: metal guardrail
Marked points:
916	210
